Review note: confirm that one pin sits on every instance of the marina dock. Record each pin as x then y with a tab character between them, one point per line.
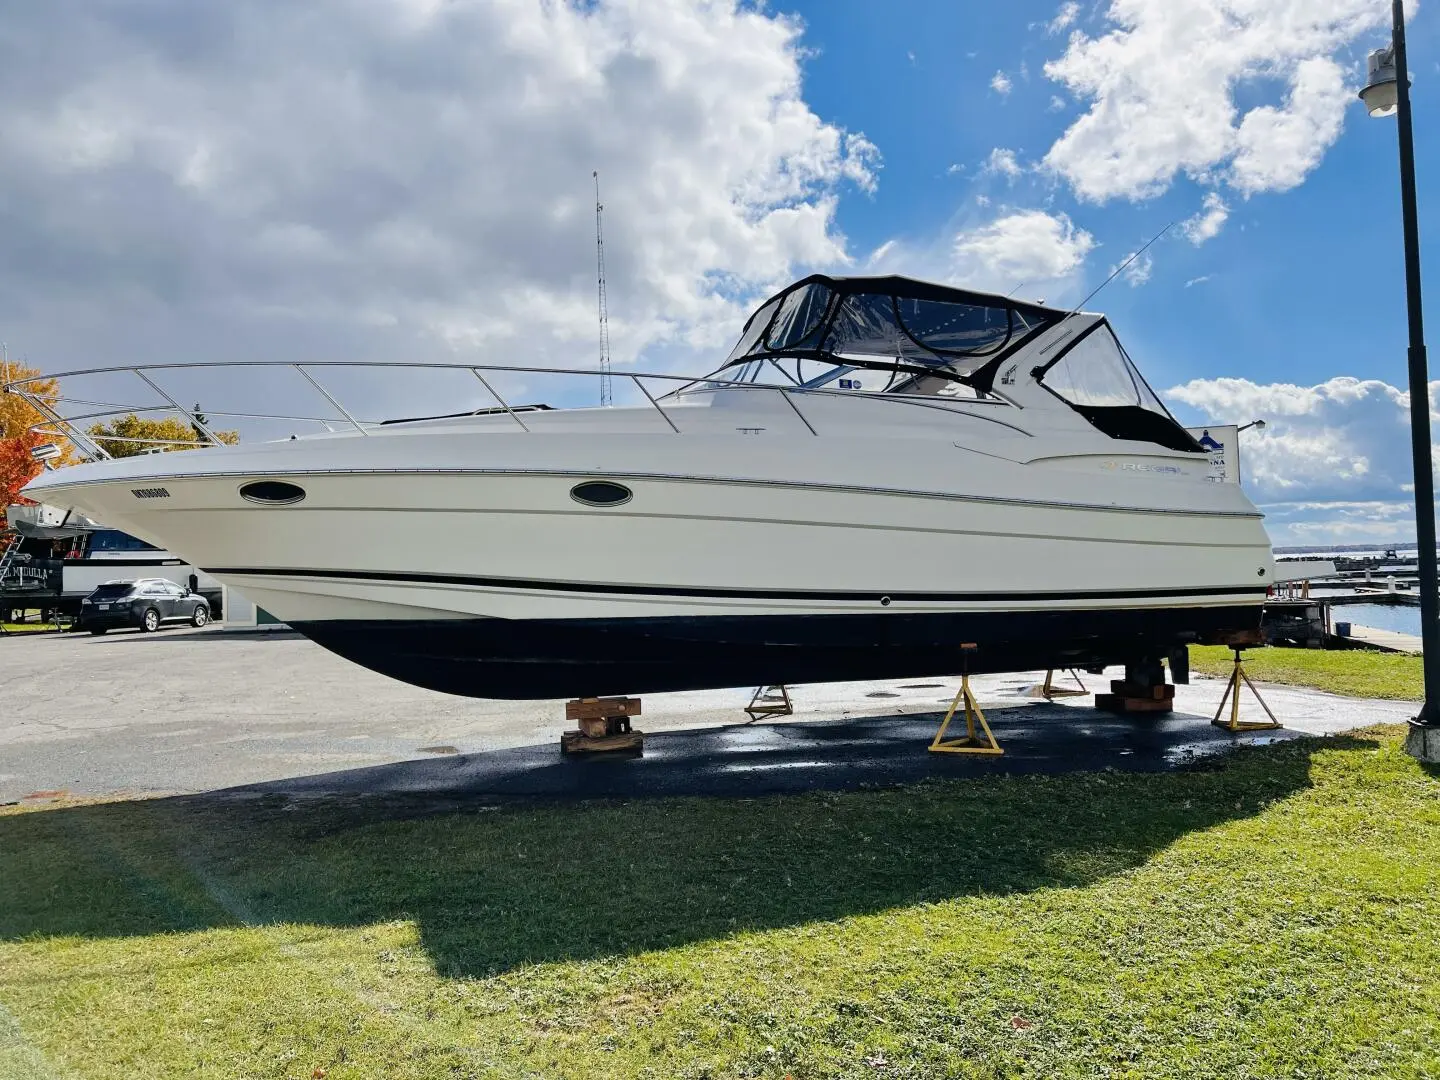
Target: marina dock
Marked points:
1313	612
1386	640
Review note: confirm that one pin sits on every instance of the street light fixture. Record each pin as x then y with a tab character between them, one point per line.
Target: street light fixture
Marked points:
1386	93
1258	425
1381	95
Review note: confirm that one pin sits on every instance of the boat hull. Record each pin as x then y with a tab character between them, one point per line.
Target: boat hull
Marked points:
509	658
490	579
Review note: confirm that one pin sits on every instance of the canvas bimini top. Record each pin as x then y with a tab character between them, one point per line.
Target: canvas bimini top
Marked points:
891	324
932	339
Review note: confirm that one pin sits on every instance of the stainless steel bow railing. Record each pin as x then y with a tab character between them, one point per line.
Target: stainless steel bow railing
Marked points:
59	422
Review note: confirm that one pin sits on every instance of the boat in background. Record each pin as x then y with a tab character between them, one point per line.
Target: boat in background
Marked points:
886	478
59	556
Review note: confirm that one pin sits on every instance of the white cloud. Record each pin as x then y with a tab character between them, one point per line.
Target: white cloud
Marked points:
1057	103
882	253
1000	83
1138	272
1064	18
1279	146
1228	399
1042	251
224	181
1004	163
1302	524
1024	246
1206	225
1343	441
1164	86
1197	280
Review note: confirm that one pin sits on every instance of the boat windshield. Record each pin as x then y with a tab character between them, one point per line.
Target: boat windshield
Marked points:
1096	378
825	331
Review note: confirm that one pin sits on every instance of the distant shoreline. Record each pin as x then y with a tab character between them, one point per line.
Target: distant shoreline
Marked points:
1347	549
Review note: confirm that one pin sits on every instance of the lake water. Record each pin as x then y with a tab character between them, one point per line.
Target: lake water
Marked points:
1394	617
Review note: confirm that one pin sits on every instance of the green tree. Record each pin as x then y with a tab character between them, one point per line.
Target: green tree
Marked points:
129	435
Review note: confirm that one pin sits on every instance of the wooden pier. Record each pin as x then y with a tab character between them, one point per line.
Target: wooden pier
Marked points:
1307	617
1384	640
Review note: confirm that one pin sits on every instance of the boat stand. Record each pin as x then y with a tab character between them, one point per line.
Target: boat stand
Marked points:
1232	695
769	701
971	743
1049	691
1142	690
604	727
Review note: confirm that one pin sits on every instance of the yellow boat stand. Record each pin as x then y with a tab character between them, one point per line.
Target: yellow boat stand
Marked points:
971	743
1232	695
770	701
1049	691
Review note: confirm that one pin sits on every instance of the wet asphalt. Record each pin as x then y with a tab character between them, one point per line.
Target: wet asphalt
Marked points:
781	758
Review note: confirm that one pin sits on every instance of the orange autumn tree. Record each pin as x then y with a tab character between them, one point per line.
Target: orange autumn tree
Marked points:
17	468
17	417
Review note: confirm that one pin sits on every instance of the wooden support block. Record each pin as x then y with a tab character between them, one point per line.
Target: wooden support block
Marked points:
600	726
594	727
1235	639
577	742
1160	692
1121	704
599	708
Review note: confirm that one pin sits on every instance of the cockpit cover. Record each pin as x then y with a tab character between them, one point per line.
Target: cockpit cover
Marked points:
890	320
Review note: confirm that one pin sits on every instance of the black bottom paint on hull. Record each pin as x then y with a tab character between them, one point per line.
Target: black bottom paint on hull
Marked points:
527	659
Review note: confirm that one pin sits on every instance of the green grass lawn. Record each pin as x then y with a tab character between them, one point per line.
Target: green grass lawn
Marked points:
1276	914
1352	672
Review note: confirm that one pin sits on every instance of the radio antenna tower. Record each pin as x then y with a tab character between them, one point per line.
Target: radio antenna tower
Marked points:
600	294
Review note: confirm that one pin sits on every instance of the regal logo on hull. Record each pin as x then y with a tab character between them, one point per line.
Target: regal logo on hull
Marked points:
1135	466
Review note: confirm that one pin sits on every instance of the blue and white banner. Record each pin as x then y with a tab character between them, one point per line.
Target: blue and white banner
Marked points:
1223	442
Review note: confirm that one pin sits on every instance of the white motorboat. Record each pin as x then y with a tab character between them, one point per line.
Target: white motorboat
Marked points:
883	473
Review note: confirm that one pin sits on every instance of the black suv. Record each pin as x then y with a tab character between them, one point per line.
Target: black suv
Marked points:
146	603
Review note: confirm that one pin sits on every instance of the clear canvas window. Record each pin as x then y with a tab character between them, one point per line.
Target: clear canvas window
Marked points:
797	324
1098	373
1094	373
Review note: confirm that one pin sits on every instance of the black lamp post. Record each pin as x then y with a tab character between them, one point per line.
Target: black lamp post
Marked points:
1387	92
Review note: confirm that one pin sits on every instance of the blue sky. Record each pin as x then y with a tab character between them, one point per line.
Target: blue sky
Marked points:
1301	285
323	179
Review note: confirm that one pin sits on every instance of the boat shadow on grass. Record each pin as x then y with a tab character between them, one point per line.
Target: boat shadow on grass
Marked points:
492	888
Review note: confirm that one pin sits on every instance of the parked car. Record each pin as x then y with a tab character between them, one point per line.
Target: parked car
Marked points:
147	604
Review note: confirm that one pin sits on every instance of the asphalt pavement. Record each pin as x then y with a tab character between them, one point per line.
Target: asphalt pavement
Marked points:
187	711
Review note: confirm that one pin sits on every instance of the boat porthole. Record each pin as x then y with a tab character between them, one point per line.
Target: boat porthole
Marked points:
600	493
884	601
1261	572
272	493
